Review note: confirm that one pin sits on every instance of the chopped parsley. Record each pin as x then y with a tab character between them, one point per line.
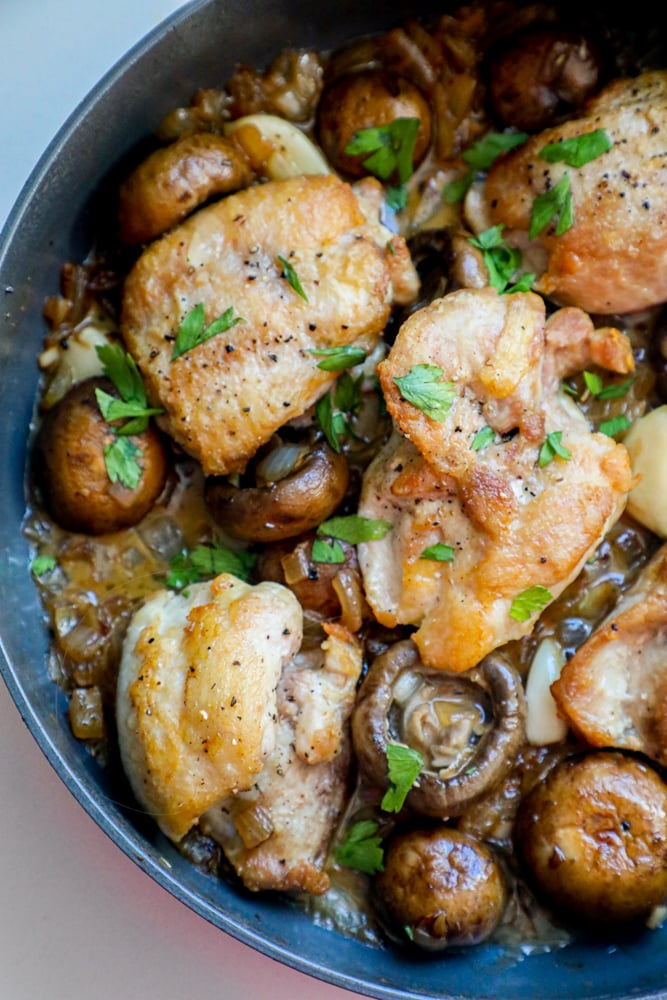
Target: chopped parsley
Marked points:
336	359
390	148
362	848
529	602
438	552
422	387
615	425
556	203
112	409
208	560
354	529
121	459
292	277
41	565
479	158
553	448
334	410
483	438
578	150
597	388
502	261
193	331
404	765
324	551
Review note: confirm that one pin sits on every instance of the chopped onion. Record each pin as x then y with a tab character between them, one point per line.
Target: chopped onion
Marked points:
86	713
543	723
296	565
347	586
280	462
253	825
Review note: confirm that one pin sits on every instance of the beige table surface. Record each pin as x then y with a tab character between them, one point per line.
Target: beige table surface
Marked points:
78	919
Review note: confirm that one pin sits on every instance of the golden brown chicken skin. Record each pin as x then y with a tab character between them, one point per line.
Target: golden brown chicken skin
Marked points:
613	258
513	524
225	398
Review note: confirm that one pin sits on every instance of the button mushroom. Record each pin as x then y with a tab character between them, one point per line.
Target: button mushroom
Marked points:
368	99
286	505
442	887
175	180
593	836
76	486
468	728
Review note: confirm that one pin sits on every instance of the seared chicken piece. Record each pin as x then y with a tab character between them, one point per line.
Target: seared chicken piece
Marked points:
613	259
613	692
196	699
227	396
276	834
513	524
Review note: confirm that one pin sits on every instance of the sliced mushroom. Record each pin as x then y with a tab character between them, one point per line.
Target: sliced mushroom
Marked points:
468	727
289	506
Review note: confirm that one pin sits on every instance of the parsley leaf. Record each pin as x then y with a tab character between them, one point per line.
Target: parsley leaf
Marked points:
362	848
208	560
438	552
397	197
552	448
391	148
555	203
480	156
529	602
404	765
292	277
193	332
422	387
334	409
118	409
41	565
327	552
121	368
121	459
355	529
502	261
596	387
615	425
578	150
483	438
336	359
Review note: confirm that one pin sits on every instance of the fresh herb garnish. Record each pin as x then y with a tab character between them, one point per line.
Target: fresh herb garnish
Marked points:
502	261
552	448
121	459
615	425
483	438
597	388
354	528
112	409
578	150
41	565
208	560
553	204
438	552
390	147
529	602
362	848
336	407
336	359
193	331
292	277
479	158
404	765
324	551
422	387
397	197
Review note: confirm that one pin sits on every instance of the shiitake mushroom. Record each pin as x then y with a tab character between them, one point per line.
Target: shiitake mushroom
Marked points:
468	728
71	469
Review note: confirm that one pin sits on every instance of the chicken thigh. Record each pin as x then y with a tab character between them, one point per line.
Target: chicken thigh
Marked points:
613	258
296	265
513	523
